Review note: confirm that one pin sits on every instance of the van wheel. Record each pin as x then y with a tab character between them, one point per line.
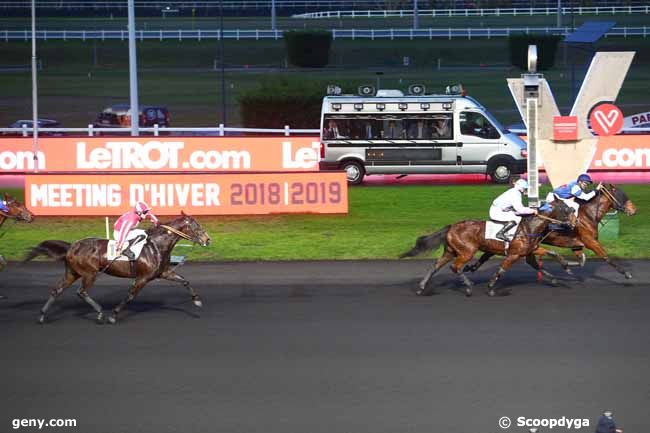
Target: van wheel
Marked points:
354	172
501	172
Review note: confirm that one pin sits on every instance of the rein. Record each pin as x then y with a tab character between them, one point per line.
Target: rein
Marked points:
549	219
176	232
611	197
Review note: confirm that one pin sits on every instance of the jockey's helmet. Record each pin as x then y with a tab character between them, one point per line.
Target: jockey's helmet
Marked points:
141	208
585	178
521	185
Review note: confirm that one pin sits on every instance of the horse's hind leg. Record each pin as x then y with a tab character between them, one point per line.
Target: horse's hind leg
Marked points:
133	292
173	276
437	265
86	283
457	268
480	262
69	278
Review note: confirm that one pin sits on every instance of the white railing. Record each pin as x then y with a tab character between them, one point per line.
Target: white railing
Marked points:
227	4
496	12
219	131
239	34
91	131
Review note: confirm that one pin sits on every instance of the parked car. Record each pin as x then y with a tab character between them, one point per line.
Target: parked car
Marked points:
42	123
119	116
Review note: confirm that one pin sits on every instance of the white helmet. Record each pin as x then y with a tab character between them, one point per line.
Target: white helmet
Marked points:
521	185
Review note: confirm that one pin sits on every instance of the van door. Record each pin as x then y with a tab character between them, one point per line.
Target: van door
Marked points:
480	141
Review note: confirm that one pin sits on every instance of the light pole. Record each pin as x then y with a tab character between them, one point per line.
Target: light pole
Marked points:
531	96
133	73
223	70
34	89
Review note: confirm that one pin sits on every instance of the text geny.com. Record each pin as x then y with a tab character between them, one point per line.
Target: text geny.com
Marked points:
40	423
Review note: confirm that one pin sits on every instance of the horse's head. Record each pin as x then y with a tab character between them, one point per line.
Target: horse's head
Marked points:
17	210
192	229
560	211
618	199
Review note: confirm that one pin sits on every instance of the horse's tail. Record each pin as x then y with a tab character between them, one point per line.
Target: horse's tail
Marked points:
427	243
53	249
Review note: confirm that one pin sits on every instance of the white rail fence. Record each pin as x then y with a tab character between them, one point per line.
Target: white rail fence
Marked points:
496	12
220	131
397	33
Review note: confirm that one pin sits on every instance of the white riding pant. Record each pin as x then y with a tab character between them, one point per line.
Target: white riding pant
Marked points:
498	214
571	202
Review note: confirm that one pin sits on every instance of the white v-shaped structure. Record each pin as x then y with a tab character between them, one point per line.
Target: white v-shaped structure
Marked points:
564	161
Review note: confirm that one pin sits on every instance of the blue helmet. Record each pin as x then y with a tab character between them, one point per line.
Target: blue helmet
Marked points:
585	178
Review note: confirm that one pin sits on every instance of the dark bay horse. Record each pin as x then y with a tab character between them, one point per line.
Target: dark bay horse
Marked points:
463	239
585	233
17	212
86	258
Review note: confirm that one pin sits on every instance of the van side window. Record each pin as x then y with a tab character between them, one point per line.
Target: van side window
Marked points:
476	124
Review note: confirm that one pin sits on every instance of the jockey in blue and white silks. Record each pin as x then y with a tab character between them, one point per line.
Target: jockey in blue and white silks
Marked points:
572	190
3	207
508	208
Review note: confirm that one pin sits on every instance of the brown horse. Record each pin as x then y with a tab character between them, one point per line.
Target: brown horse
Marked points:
463	239
585	233
16	211
87	257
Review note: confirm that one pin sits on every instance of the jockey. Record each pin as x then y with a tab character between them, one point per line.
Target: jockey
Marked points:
128	222
3	207
508	208
572	190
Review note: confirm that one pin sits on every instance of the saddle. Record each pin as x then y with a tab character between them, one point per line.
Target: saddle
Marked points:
135	240
493	227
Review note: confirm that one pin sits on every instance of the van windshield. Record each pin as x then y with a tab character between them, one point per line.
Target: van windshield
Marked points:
417	126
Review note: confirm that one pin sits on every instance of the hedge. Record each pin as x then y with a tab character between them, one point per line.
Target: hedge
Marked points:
308	48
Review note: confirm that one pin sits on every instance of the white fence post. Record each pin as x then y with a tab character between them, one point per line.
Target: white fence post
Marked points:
90	130
221	131
155	130
287	131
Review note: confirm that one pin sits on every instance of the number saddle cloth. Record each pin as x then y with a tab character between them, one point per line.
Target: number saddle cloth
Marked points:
493	227
137	248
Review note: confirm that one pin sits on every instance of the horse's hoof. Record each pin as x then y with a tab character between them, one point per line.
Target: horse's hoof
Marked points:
468	292
41	319
101	319
569	271
198	303
112	320
628	276
554	282
491	293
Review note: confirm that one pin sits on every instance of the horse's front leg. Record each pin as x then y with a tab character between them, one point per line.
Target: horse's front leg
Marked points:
505	265
133	292
533	263
597	248
480	262
173	276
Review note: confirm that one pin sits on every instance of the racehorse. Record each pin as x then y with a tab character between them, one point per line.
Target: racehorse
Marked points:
585	233
87	257
463	239
16	211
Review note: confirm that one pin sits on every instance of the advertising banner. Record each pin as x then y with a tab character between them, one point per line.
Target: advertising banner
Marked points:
195	194
166	154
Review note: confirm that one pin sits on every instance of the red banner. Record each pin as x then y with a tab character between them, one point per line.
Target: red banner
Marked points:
565	128
168	154
196	194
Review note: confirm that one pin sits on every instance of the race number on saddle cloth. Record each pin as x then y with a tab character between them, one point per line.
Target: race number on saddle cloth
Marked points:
506	211
123	230
572	190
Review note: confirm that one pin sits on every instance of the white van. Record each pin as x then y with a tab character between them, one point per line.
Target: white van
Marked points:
390	133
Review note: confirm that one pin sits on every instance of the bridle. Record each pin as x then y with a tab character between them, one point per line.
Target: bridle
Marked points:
617	204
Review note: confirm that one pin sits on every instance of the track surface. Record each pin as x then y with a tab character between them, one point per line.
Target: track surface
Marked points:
327	347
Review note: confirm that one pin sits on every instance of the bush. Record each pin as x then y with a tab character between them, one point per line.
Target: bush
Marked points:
308	48
275	103
546	50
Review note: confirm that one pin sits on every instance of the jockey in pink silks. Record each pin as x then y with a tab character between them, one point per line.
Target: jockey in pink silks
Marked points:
128	222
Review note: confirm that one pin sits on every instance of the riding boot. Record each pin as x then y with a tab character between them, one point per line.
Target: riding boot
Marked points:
502	233
128	253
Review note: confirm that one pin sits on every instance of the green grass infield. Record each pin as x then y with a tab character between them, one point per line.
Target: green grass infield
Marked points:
383	222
